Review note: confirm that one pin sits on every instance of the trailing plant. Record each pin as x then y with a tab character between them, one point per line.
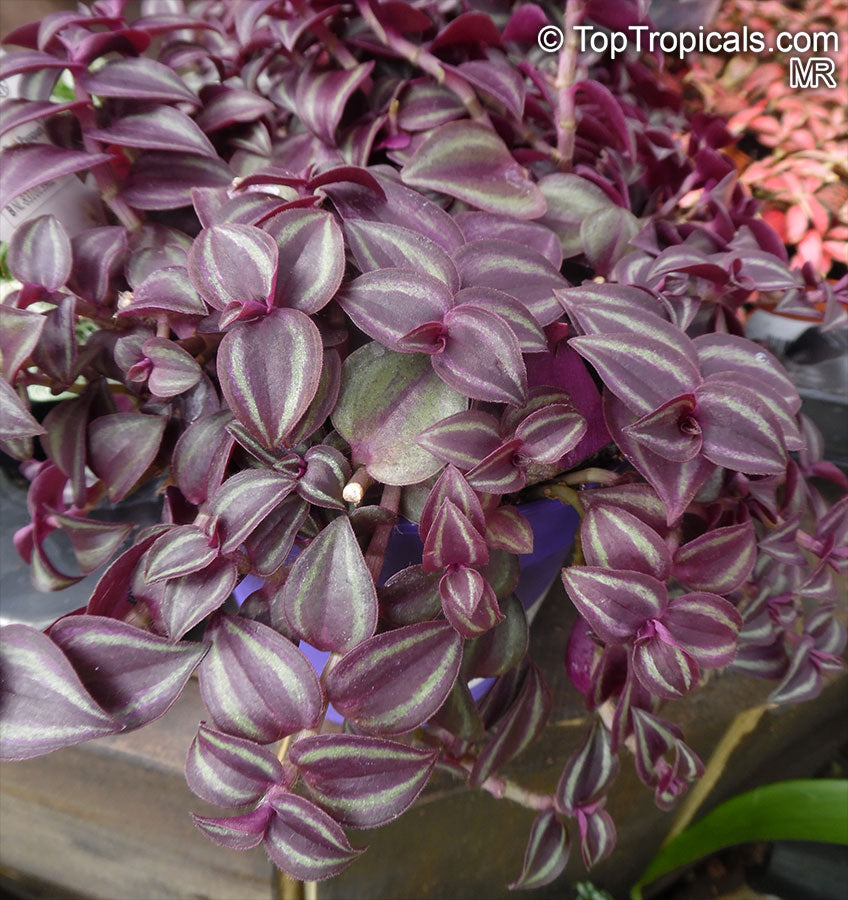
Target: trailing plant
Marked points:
366	261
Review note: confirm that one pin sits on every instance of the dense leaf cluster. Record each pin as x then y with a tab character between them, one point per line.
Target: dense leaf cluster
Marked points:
373	259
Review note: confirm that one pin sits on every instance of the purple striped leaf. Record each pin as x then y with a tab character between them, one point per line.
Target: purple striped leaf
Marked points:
641	370
363	782
230	771
570	200
508	530
387	399
450	485
111	594
399	205
44	704
606	234
365	687
330	600
233	264
243	832
639	500
503	647
20	331
304	841
614	603
388	303
720	561
255	683
17	421
410	596
802	679
706	626
269	544
613	538
99	255
323	402
321	97
160	128
121	447
379	245
675	483
189	599
481	357
224	106
497	79
469	602
311	252
464	439
517	270
549	433
327	472
738	431
201	456
597	835
160	180
546	855
458	714
174	371
269	372
452	540
517	729
93	541
14	113
168	290
662	668
671	430
424	106
57	352
40	253
244	500
481	226
497	473
138	79
181	550
610	307
469	161
134	675
589	772
17	62
528	332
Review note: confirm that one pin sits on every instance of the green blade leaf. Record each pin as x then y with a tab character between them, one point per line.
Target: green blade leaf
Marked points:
804	810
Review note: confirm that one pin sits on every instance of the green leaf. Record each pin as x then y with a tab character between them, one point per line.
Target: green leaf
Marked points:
804	810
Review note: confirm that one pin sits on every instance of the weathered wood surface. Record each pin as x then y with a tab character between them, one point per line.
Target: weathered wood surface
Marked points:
109	819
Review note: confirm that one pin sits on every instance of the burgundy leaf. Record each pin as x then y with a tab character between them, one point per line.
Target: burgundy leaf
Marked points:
410	596
244	500
330	599
507	529
386	400
570	199
481	357
720	561
17	421
159	128
463	439
134	675
242	832
366	685
451	486
663	668
468	602
670	431
121	447
44	704
179	551
613	538
323	402
321	97
498	473
138	79
503	647
225	106
546	854
230	771
93	541
468	161
161	180
327	472
255	683
531	338
549	433
98	260
201	455
424	106
589	772
517	729
706	626
57	353
614	603
304	841
269	372
452	540
40	253
496	78
363	782
597	835
517	270
20	331
189	599
311	253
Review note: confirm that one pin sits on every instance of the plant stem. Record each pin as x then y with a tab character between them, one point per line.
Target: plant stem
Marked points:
501	788
376	553
355	489
566	124
591	476
565	495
